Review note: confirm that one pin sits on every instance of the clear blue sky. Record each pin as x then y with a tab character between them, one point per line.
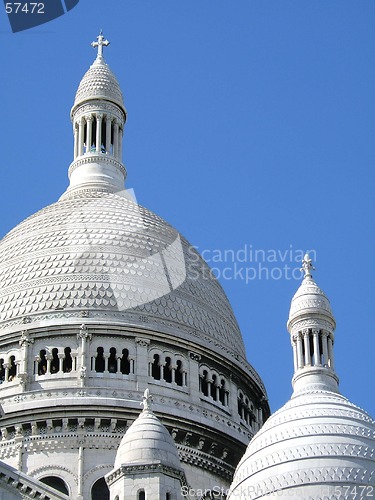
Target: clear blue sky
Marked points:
250	123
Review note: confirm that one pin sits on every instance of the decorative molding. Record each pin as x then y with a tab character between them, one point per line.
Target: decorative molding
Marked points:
149	469
25	339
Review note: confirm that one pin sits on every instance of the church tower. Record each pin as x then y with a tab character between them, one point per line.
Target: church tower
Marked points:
98	116
318	445
147	463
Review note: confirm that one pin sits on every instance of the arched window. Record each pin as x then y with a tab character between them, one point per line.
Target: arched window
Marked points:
168	496
100	490
178	373
112	361
167	370
12	368
55	362
142	495
99	361
68	362
57	483
42	364
155	368
125	363
204	383
2	371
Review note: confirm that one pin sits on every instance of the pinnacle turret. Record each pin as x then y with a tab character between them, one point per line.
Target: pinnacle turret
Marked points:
311	326
98	116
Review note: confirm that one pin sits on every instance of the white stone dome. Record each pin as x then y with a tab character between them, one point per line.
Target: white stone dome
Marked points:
103	256
99	83
147	441
316	442
310	301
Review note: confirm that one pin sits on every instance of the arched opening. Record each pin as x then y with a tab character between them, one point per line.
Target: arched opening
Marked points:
57	483
155	368
99	360
100	490
178	373
55	362
222	392
204	383
125	363
12	368
2	371
42	364
142	495
240	404
68	362
112	361
168	370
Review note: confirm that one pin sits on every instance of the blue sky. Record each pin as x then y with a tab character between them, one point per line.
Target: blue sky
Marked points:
250	126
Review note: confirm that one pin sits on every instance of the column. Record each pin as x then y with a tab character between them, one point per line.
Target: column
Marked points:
75	141
173	373
99	118
193	376
80	474
299	351
88	133
115	138
49	359
61	357
217	389
330	352
108	124
84	336
80	136
120	143
317	353
306	340
142	361
6	366
325	348
294	347
24	342
209	385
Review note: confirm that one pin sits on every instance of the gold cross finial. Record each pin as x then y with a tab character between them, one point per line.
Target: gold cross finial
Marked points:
100	44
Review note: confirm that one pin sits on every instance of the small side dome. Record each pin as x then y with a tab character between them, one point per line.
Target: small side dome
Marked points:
147	441
99	83
309	300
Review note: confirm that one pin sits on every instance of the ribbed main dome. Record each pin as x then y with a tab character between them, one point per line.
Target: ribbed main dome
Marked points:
102	253
99	83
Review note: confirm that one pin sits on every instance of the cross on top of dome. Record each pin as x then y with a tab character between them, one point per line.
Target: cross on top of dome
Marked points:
100	44
147	401
307	266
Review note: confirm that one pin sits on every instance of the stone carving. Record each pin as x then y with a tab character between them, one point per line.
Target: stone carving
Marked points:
25	339
147	401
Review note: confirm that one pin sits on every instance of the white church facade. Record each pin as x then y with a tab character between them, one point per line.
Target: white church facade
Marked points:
104	305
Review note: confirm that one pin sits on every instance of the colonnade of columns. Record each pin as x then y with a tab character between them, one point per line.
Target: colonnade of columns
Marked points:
98	133
312	347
